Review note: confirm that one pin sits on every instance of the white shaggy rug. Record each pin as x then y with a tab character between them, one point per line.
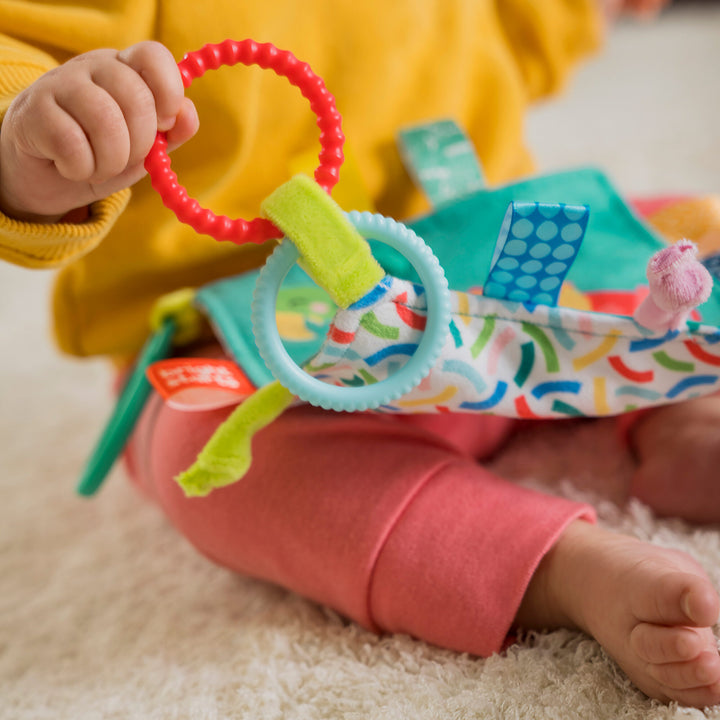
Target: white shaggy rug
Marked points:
105	613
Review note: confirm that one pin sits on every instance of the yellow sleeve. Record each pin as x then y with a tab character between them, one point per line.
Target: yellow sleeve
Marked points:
548	38
44	246
34	38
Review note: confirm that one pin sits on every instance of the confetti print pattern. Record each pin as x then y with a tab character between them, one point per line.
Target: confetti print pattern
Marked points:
519	360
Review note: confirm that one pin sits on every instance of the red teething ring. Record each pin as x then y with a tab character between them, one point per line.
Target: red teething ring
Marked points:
285	64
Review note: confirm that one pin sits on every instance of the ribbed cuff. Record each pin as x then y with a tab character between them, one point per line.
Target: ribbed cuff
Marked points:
39	245
456	566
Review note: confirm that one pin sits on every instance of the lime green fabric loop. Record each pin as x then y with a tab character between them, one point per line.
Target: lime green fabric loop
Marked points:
332	252
227	455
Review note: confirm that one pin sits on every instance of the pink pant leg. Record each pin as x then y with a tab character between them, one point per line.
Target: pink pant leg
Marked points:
391	522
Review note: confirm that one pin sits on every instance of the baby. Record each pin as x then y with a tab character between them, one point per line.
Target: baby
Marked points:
79	134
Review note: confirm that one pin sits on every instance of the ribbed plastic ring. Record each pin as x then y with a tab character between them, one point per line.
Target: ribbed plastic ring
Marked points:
316	392
285	64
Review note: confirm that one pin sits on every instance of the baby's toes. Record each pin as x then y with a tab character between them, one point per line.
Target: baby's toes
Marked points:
697	697
658	644
700	672
674	597
701	604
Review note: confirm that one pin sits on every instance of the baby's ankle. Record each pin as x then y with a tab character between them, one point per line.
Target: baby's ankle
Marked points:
550	601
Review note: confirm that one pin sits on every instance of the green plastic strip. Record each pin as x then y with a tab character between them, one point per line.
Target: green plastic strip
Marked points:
441	160
127	410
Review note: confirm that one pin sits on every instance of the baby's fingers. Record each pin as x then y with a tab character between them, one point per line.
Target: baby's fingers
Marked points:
137	103
155	64
106	150
53	135
185	127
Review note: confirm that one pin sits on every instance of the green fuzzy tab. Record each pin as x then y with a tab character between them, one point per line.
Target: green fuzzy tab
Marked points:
333	253
227	455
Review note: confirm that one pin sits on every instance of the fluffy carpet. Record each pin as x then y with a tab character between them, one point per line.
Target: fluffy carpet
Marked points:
105	613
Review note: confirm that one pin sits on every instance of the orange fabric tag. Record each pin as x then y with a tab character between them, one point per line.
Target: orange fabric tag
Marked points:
194	384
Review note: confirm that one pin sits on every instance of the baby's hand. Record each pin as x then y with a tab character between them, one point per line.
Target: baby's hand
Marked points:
82	130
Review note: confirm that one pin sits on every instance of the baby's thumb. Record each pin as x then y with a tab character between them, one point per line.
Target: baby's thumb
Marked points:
186	125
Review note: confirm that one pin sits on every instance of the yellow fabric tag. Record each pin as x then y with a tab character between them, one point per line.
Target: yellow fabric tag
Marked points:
178	305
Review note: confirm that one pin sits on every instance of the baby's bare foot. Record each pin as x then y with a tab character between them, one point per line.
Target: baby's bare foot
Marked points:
678	453
650	608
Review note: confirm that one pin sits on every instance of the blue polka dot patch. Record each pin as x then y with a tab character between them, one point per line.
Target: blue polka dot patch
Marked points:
536	247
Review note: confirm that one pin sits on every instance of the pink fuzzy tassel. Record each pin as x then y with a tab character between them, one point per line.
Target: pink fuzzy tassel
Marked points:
678	284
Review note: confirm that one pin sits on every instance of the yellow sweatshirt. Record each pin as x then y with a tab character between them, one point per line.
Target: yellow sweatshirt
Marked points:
388	64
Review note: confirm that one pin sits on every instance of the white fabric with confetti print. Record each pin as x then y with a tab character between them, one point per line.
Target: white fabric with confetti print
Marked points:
520	360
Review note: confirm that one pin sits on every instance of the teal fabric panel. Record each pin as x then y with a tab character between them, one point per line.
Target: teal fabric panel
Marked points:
617	244
304	315
615	251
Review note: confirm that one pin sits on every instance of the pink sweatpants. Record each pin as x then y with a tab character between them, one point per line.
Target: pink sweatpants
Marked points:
392	521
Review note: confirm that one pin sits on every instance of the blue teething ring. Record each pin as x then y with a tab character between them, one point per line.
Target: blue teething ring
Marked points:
316	392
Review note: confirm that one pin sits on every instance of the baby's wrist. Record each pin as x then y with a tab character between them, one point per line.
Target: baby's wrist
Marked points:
19	211
15	214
